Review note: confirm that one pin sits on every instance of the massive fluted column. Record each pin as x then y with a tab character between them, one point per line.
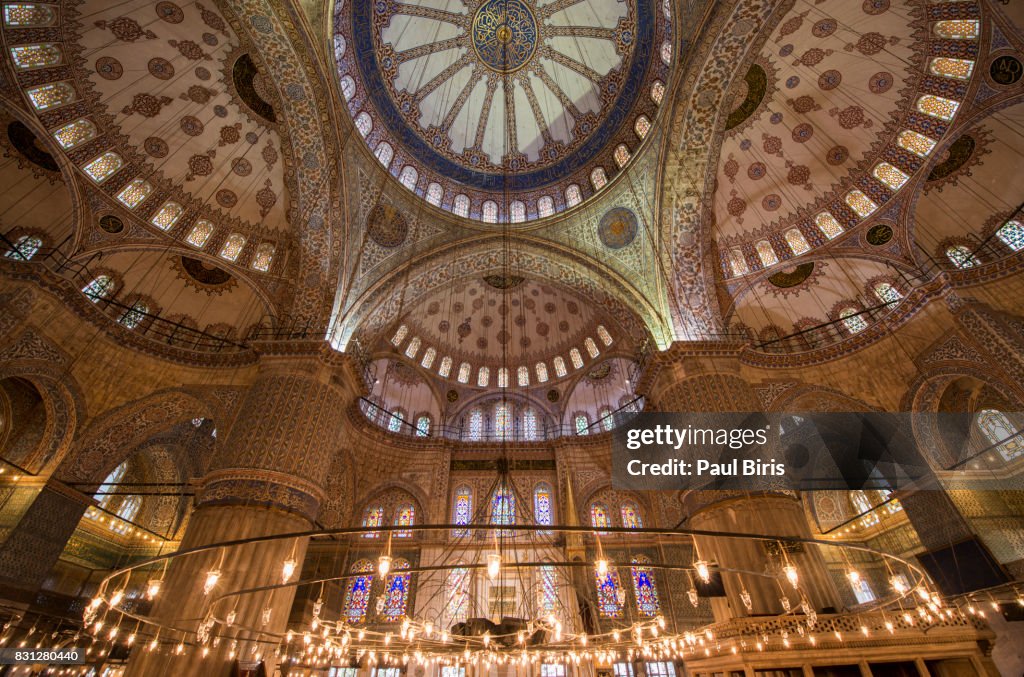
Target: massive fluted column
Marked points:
264	481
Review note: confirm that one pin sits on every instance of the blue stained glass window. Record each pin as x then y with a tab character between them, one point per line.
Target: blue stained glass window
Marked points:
609	594
396	594
599	516
542	505
644	587
502	421
631	516
530	424
548	590
405	516
357	597
463	509
1012	235
458	594
476	424
503	507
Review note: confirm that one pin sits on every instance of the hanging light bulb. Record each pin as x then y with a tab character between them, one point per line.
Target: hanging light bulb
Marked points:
854	576
702	570
265	616
384	564
212	576
288	569
493	565
602	567
230	618
131	639
116	598
153	588
746	599
898	585
791	574
692	594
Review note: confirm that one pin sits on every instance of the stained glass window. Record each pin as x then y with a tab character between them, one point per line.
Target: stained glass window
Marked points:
51	95
384	153
462	510
483	377
503	506
102	167
630	514
523	376
621	155
445	367
529	424
264	257
542	372
405	516
937	107
623	670
339	46
603	334
960	69
766	253
134	315
666	52
364	123
591	347
582	424
545	206
134	193
862	590
999	431
642	126
828	225
796	241
428	357
854	323
517	211
644	587
599	518
126	513
861	203
502	420
577	359
1012	235
609	593
25	247
660	669
548	597
961	256
17	15
889	175
606	418
503	377
887	293
103	494
423	426
348	87
434	194
232	247
413	347
490	211
167	215
598	178
36	56
457	594
573	195
395	420
373	517
542	513
657	91
464	370
738	262
100	287
958	29
200	233
559	363
476	424
409	177
916	143
400	335
461	206
357	597
79	131
552	670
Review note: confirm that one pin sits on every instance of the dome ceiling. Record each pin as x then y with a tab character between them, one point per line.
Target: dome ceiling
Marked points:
483	98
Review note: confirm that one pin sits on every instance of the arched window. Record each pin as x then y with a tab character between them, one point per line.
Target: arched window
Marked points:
862	590
548	597
853	322
577	359
476	424
545	206
559	363
502	420
23	14
36	56
889	175
607	420
75	133
348	87
657	91
384	153
232	247
395	420
642	126
445	367
264	257
863	506
937	107
644	588
796	241
126	512
423	426
464	370
100	169
462	509
489	211
483	377
887	293
461	206
582	424
573	195
103	494
542	372
828	225
132	195
100	288
503	506
861	203
666	53
400	335
517	211
373	517
134	316
766	253
542	513
358	594
405	516
738	262
52	95
435	193
610	596
200	233
457	595
958	29
364	123
591	347
598	178
168	215
409	177
503	377
1012	235
413	347
916	143
523	376
960	256
599	518
630	514
529	424
428	357
621	155
25	247
999	431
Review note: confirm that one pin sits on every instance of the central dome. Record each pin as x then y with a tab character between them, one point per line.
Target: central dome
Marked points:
503	110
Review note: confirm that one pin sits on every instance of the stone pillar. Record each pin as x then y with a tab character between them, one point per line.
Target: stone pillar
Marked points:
263	482
761	514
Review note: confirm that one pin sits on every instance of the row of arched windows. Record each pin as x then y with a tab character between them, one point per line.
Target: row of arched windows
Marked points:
628	514
502	507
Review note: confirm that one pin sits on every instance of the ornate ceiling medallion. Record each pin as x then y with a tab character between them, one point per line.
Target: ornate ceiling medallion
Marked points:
504	34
